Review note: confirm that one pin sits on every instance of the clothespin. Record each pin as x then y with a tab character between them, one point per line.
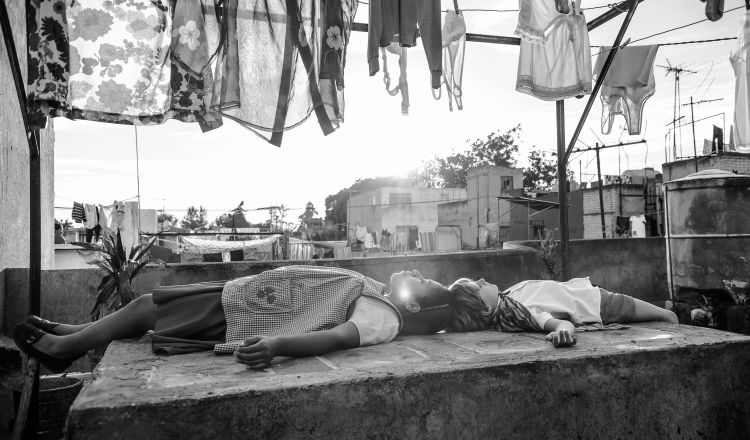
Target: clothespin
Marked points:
455	6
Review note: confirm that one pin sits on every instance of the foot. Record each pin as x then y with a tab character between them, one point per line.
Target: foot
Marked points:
43	346
54	328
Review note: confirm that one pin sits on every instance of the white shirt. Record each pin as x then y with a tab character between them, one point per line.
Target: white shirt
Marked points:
375	320
576	300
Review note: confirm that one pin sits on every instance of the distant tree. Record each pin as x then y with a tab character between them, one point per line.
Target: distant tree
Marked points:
195	218
166	216
308	219
336	203
541	173
66	224
451	171
231	220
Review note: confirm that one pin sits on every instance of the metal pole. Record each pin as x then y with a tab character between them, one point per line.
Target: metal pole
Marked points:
601	191
692	122
562	190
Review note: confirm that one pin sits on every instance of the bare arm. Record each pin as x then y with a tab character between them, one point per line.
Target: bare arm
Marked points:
562	332
257	352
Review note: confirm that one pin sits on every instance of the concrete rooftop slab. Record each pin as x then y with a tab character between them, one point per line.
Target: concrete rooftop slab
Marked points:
651	380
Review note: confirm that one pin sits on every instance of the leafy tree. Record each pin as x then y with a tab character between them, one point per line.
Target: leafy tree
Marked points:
164	216
66	224
308	219
336	203
195	218
277	218
541	173
232	220
451	171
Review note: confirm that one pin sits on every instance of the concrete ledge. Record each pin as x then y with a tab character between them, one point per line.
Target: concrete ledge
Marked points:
650	381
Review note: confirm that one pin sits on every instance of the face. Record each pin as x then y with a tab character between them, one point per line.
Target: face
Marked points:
488	292
423	303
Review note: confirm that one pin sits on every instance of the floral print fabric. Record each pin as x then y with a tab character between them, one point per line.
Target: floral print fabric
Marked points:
119	57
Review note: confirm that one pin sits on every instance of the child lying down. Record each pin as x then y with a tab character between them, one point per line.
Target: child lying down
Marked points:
553	307
287	311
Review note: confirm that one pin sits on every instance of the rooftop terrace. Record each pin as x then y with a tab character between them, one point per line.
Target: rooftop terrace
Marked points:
652	380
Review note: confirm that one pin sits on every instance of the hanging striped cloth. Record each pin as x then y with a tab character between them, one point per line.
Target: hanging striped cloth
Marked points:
78	215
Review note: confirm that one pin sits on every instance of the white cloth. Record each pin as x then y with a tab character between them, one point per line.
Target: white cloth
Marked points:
638	226
628	85
576	300
454	47
201	246
92	218
554	62
376	322
111	217
741	64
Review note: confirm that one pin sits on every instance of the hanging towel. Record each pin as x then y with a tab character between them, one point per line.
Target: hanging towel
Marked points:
78	214
629	83
740	60
111	216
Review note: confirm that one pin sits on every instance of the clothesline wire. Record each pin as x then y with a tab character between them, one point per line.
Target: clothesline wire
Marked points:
609	6
678	28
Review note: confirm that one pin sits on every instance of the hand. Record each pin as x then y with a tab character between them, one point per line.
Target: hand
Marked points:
257	352
561	338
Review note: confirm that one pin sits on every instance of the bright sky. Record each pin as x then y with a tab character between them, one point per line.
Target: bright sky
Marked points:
180	166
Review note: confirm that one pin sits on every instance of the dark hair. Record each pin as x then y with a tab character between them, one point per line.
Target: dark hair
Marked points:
470	313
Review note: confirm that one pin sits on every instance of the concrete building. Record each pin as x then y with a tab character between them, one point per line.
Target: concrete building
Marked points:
402	211
635	193
723	160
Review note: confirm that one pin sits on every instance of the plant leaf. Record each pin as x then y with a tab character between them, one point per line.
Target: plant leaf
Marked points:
120	248
88	246
146	248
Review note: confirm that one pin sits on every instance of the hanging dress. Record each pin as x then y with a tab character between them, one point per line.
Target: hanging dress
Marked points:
555	58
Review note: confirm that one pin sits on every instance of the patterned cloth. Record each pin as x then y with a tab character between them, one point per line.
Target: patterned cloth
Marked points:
511	316
292	300
116	67
119	58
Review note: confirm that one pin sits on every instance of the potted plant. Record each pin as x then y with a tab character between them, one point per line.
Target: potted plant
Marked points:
115	290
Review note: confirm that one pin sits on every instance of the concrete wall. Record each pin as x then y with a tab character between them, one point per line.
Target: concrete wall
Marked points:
455	214
14	165
521	230
727	161
483	185
633	266
619	200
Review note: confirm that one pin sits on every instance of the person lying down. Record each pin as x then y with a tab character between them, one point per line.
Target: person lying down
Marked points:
553	307
288	311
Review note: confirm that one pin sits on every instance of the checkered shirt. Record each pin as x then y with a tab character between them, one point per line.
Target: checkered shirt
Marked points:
292	300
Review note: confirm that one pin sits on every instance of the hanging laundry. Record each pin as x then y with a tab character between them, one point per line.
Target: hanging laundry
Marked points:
398	21
403	84
91	215
638	226
78	214
554	62
454	46
119	58
714	9
336	25
740	60
269	73
196	41
117	68
628	84
111	217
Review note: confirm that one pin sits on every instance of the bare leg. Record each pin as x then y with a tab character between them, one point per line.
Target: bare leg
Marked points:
69	329
132	320
648	312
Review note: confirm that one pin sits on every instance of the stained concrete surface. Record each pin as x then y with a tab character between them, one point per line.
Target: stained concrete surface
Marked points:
652	380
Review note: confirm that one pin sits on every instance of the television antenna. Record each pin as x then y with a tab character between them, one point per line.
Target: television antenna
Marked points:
677	71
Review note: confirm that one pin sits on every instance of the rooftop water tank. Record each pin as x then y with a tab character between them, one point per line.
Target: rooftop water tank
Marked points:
708	231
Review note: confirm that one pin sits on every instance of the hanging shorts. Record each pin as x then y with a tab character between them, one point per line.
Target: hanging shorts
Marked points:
189	318
616	307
